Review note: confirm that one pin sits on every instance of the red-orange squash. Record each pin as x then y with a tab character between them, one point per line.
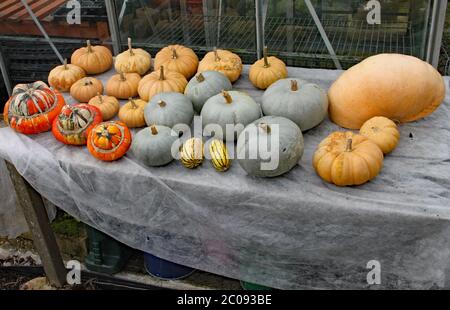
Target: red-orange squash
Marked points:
109	141
74	123
32	107
399	87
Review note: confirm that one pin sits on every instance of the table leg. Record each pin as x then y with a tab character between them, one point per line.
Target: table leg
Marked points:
36	216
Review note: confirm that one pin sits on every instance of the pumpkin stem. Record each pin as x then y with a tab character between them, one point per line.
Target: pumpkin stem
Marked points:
227	96
294	85
348	148
65	64
265	127
89	47
122	76
161	73
174	53
266	61
133	104
200	78
162	103
154	130
130	48
216	55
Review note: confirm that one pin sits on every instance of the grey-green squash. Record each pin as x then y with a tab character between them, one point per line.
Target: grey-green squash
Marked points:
153	145
169	109
205	85
226	110
304	103
270	146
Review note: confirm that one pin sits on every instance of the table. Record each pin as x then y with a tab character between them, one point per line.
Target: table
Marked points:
291	232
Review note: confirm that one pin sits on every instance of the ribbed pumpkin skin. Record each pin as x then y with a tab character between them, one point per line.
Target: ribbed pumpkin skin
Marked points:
123	85
290	146
199	90
263	76
223	61
383	132
169	109
64	76
161	81
153	146
177	58
32	108
399	87
85	89
133	60
132	113
306	104
108	105
93	59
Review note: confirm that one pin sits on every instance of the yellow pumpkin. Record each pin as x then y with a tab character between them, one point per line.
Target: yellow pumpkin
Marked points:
108	105
223	61
266	71
383	132
346	159
62	77
398	87
123	85
219	155
177	58
134	60
85	89
132	113
161	81
191	154
93	59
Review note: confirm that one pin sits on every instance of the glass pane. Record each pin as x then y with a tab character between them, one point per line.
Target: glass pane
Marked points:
198	24
292	34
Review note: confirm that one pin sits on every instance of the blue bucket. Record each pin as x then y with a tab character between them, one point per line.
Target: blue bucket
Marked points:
164	269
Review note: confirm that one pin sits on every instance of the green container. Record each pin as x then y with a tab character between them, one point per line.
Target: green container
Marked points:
105	254
254	287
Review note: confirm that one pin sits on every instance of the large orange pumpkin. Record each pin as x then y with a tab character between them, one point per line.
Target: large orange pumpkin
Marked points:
74	123
399	87
32	107
109	141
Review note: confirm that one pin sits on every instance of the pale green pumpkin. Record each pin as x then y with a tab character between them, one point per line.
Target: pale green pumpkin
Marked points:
169	109
304	103
271	139
153	145
230	108
205	85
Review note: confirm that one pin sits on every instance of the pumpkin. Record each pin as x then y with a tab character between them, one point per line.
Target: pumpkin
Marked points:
108	106
169	109
153	145
177	58
399	87
132	113
92	59
230	108
134	60
347	159
109	141
123	85
304	103
383	132
62	77
266	71
191	154
270	146
205	85
85	89
32	107
161	81
219	155
74	123
223	61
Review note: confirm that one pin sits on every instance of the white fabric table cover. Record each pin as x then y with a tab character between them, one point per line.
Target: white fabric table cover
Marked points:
290	232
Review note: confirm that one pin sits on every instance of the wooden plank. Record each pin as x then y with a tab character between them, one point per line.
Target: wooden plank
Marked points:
18	6
36	216
27	27
35	6
7	3
49	8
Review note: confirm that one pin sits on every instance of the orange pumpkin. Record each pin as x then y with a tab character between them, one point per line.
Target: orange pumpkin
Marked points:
177	58
109	141
32	107
64	76
383	132
223	61
161	81
398	87
266	71
93	59
74	123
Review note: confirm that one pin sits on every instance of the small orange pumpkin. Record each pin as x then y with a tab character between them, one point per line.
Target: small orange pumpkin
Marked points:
223	61
123	85
85	89
93	59
132	113
266	71
161	81
383	132
109	141
108	105
177	58
64	76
